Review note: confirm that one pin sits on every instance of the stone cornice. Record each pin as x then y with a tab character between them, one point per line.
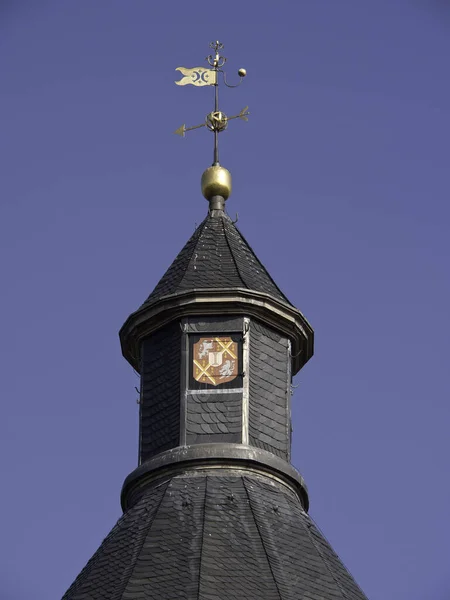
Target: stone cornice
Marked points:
211	456
276	314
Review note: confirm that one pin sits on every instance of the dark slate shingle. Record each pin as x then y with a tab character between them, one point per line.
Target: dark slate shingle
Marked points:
223	536
216	256
268	391
160	403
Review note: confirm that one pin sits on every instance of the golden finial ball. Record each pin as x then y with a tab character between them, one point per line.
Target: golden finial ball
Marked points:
242	72
216	181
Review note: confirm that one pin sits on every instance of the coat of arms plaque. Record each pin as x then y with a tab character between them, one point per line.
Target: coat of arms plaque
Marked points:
215	360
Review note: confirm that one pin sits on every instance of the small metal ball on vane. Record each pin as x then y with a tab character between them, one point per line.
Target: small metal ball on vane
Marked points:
216	180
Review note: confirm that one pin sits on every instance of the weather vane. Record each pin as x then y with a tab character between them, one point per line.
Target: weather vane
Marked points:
216	181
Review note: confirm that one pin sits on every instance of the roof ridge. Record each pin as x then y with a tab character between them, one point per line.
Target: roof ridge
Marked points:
231	252
190	246
325	560
140	541
242	237
91	564
261	537
321	554
195	238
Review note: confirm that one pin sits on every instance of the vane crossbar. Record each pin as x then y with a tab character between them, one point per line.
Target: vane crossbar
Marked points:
242	115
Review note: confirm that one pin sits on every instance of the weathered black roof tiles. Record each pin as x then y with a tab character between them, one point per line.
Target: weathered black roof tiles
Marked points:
231	536
216	256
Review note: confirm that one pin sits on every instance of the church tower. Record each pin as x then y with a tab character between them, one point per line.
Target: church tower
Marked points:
215	510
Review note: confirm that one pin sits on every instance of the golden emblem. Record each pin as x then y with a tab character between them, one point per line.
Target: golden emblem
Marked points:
197	76
215	360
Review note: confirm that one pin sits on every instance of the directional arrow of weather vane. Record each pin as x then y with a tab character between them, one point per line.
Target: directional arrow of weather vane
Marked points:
213	120
216	121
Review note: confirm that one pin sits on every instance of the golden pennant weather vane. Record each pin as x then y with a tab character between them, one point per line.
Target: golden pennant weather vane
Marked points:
216	121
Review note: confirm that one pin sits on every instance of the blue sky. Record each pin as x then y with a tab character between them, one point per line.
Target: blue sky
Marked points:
342	189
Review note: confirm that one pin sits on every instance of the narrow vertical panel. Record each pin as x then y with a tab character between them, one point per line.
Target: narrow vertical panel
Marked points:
183	381
168	565
160	409
245	381
288	399
234	562
211	400
141	395
268	412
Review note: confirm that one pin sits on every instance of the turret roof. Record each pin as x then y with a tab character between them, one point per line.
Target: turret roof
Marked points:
230	535
216	256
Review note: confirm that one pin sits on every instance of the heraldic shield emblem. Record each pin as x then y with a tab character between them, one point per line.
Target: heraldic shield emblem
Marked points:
215	360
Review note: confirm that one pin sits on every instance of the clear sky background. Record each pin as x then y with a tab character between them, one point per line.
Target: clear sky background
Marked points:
341	182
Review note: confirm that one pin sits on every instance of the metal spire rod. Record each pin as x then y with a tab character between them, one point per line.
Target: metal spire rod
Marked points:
216	63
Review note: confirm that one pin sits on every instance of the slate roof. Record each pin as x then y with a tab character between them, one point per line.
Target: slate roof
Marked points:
233	535
216	256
